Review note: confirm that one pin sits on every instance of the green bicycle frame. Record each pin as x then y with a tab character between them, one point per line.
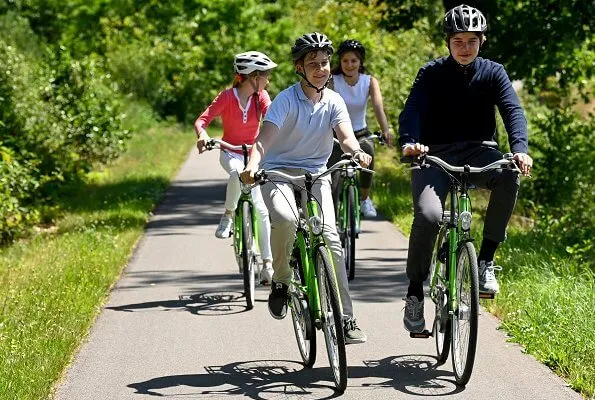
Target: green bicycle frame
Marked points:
349	181
239	226
456	237
307	243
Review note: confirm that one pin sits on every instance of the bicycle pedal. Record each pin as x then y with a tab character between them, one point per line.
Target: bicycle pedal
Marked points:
420	335
486	295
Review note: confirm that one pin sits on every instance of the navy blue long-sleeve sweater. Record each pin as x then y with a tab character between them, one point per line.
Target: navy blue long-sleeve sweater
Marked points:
450	103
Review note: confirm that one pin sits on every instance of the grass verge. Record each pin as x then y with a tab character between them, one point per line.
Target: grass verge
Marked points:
547	296
53	284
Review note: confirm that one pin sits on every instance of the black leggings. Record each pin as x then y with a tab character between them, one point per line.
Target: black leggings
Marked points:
367	145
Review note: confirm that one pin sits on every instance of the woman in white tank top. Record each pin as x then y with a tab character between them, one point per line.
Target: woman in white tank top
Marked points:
355	86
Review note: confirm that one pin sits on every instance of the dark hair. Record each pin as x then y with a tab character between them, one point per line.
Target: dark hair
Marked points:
355	47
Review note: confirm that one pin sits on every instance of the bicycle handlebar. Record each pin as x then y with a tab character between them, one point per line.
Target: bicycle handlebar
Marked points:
213	143
372	136
421	160
261	175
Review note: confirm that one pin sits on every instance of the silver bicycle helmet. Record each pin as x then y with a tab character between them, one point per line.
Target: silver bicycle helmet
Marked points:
246	63
310	42
464	18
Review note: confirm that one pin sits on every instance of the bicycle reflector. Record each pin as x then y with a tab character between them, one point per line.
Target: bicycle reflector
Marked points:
316	225
465	220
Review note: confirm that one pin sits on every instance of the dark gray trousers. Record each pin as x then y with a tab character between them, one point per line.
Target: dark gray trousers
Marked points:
430	187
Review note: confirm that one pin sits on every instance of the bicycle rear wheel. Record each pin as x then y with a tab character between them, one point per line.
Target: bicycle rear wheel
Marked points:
350	234
465	317
332	321
303	324
248	256
441	318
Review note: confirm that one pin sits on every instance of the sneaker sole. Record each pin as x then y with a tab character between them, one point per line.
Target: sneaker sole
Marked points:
356	341
489	291
277	317
415	329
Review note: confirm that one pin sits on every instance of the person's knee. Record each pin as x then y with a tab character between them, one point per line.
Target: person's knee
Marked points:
505	180
284	223
427	218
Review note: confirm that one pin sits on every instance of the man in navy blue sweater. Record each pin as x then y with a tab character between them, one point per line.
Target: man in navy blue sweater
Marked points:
450	113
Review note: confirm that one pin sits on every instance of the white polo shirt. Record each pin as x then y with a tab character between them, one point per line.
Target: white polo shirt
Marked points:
305	138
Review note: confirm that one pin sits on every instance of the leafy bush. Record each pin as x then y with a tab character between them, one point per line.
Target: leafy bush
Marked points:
59	117
561	190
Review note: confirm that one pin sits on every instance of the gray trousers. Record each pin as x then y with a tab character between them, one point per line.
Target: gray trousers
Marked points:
430	188
280	201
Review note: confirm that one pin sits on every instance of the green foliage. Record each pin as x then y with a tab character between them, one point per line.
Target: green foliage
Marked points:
538	39
404	14
58	118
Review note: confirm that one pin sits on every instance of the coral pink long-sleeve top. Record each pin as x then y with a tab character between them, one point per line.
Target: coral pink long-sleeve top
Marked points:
240	125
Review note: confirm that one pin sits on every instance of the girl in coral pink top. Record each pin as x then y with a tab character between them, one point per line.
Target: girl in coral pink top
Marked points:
241	109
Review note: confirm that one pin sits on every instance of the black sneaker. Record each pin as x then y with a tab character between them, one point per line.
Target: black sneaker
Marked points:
278	300
353	333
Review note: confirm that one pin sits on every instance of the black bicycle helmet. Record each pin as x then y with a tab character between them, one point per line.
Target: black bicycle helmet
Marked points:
310	42
352	45
464	18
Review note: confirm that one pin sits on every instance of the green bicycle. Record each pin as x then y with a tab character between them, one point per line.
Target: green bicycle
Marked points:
348	206
245	232
313	293
454	286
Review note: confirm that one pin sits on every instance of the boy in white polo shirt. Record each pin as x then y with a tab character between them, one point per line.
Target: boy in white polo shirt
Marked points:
296	136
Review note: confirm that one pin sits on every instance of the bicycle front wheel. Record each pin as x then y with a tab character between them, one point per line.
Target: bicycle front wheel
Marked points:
465	318
350	234
332	321
303	325
248	256
439	276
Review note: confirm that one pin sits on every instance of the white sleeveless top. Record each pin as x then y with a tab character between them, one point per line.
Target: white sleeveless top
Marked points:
356	98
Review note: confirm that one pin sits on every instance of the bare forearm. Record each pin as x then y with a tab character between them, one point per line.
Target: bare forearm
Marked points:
265	139
347	140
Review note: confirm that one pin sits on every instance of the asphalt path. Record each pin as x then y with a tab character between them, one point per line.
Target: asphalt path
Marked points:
176	325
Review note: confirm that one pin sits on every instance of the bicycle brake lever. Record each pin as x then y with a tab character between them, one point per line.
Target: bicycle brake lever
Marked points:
260	176
210	144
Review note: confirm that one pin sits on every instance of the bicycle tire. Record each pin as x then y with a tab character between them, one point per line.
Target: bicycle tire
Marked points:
248	257
350	234
464	345
441	327
332	323
303	324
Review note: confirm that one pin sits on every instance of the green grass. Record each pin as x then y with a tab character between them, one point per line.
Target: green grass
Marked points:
547	298
53	284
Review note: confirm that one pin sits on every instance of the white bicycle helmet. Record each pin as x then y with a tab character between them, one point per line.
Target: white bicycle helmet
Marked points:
464	18
246	63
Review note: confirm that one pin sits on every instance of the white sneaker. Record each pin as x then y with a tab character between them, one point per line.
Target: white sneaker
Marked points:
487	278
367	208
266	273
224	229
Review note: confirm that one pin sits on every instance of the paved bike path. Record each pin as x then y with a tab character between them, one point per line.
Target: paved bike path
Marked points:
176	325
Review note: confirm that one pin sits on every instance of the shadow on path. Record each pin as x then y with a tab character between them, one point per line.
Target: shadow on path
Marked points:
265	379
212	303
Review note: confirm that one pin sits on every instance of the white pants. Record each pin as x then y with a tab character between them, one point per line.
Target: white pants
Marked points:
280	200
233	163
